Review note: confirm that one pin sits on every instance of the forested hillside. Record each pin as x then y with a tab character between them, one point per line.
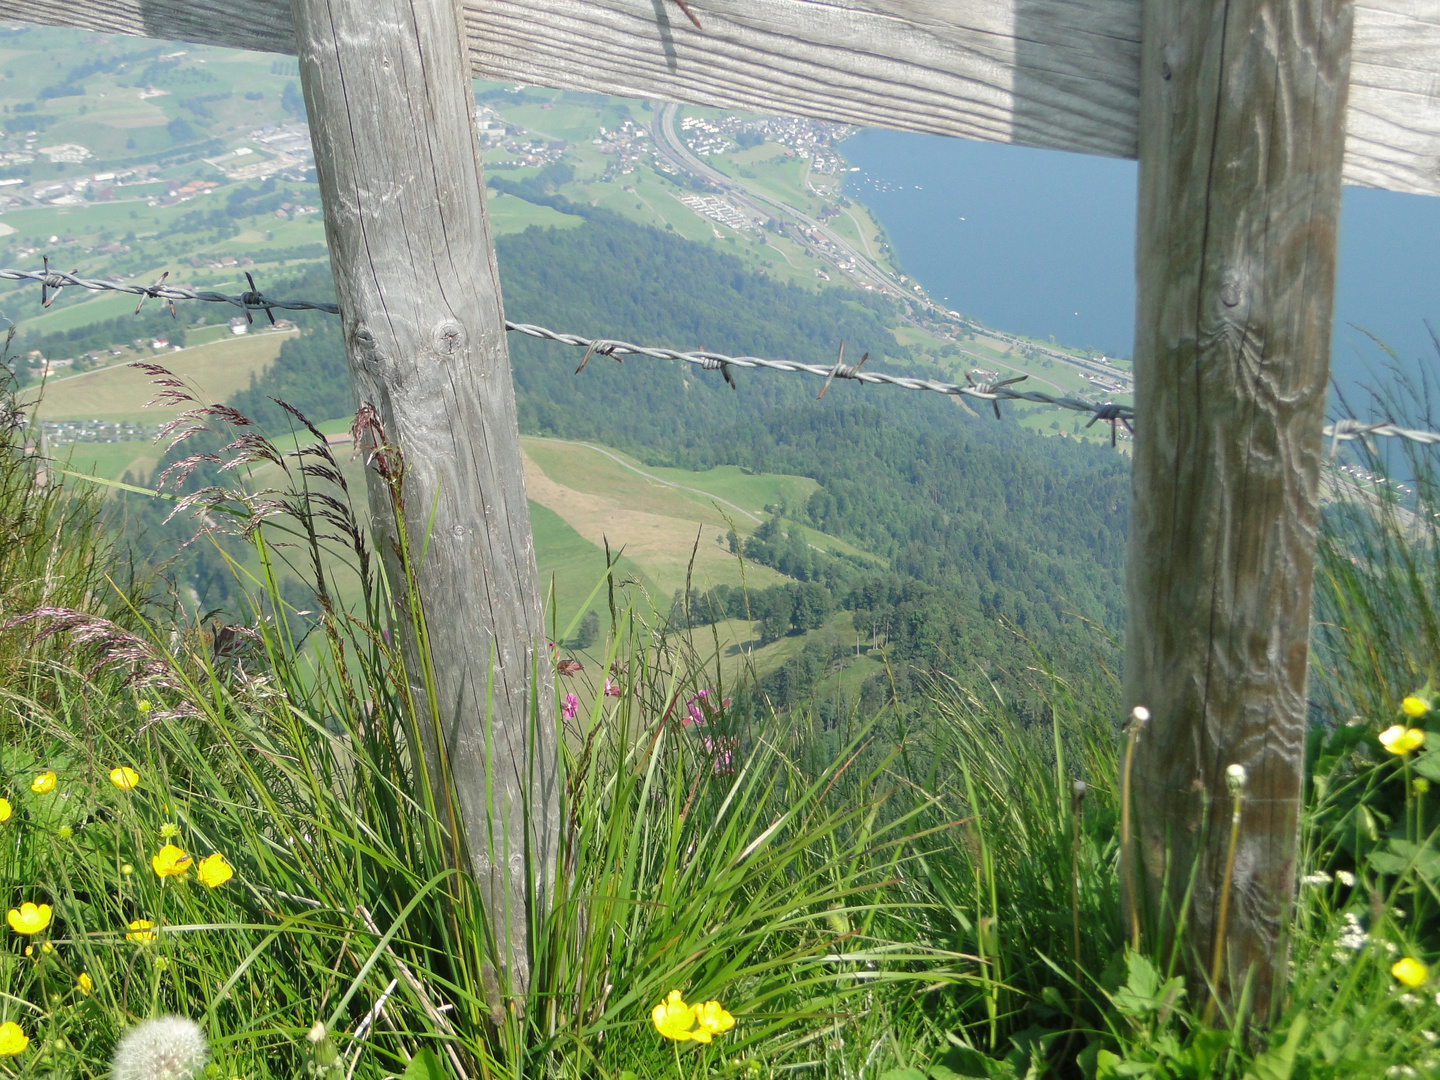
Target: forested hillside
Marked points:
980	521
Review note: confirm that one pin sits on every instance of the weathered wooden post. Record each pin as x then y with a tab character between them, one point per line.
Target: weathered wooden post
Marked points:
387	86
1242	110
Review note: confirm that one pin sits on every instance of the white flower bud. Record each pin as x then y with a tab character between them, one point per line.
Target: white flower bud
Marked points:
1235	777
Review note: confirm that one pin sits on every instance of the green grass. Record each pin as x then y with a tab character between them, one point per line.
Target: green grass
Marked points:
509	214
95	307
747	490
657	523
570	567
888	892
110	461
120	393
726	902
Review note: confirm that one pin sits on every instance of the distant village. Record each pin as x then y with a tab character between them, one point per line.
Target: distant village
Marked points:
280	150
813	139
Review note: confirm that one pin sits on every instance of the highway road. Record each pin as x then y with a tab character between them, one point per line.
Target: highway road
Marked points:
669	144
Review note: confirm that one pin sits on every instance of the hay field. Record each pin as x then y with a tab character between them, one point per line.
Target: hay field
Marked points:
216	371
656	523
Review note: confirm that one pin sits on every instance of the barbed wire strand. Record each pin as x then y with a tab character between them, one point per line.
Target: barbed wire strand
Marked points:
1115	415
250	301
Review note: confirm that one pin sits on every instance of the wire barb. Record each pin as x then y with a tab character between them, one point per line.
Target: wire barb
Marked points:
841	371
990	390
1344	430
1112	415
718	363
254	300
153	292
56	281
600	345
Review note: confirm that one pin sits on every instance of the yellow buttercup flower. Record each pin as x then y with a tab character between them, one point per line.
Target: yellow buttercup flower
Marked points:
12	1039
84	984
712	1017
43	783
1409	971
124	777
28	918
141	930
5	810
170	861
214	871
1414	706
674	1019
1401	740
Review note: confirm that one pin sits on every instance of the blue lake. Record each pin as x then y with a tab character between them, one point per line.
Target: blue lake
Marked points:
1040	242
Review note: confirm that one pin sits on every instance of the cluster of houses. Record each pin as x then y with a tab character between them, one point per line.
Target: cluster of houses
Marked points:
808	138
626	143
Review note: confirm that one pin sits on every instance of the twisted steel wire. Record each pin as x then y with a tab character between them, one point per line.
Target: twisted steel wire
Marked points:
249	301
1339	431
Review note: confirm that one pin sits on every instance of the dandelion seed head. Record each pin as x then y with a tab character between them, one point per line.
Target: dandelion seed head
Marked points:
166	1048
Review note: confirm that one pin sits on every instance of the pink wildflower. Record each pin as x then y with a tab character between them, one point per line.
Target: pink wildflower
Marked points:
720	750
570	706
702	709
611	690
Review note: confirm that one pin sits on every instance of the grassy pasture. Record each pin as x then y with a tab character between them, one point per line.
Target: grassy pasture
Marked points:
655	525
119	393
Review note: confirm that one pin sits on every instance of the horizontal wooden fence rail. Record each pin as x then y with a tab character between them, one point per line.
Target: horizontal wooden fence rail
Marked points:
1062	74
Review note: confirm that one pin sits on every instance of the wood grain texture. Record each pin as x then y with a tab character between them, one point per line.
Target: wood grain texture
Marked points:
390	106
1241	141
1062	74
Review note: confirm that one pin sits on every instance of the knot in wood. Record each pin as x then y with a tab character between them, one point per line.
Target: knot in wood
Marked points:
448	338
1229	294
366	349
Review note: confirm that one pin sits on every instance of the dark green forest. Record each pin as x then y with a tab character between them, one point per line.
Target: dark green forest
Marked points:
1005	549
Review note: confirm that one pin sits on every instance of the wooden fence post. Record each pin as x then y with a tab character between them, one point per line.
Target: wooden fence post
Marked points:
387	86
1241	138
